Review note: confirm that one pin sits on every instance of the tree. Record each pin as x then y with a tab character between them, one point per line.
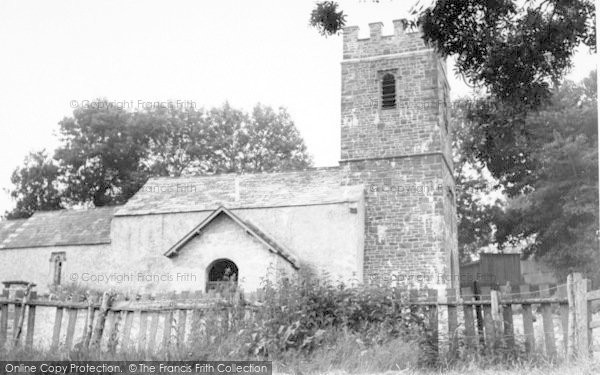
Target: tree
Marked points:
106	153
476	213
515	49
272	143
558	211
552	210
100	155
326	18
36	186
178	140
222	140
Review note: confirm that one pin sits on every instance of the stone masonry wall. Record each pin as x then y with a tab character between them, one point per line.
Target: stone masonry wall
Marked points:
402	155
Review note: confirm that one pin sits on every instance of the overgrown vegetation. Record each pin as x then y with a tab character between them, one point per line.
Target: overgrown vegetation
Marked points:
305	322
313	325
307	313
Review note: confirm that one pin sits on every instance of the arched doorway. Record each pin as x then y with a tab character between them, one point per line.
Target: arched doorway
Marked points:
222	275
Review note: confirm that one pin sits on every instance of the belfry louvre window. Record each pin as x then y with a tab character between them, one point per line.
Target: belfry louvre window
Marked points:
388	91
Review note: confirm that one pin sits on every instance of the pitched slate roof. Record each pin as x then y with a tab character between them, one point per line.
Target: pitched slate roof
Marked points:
259	190
58	228
251	229
8	227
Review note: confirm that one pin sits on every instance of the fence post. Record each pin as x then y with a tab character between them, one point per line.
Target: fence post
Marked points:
496	316
89	320
548	322
20	318
507	317
72	312
470	337
142	334
571	338
580	287
196	319
4	319
433	330
432	298
168	325
478	314
564	318
181	320
452	321
528	319
30	320
57	325
128	321
104	306
114	326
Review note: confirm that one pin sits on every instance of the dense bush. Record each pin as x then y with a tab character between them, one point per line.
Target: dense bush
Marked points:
306	313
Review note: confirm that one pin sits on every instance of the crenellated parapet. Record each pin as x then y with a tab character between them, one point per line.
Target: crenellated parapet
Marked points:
379	44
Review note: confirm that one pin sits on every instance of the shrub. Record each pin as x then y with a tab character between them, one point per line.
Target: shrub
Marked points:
298	315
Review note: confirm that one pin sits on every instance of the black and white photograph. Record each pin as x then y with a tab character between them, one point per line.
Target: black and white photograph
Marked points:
304	187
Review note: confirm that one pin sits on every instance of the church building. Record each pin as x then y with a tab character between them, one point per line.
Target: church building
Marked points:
386	214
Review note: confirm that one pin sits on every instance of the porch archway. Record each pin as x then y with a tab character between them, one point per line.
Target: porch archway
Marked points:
222	275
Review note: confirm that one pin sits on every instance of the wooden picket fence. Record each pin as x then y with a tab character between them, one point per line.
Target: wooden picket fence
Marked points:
489	316
472	318
108	318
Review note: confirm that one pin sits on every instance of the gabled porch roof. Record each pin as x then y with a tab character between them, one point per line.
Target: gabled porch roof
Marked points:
248	227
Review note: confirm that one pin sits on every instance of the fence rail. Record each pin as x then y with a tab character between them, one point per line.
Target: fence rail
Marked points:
482	317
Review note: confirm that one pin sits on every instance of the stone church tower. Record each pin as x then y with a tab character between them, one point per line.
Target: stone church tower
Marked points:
395	139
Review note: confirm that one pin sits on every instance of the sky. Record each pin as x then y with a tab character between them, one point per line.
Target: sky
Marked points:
58	55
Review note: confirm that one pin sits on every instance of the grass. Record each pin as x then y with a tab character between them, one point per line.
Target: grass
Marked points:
341	354
347	354
347	359
524	368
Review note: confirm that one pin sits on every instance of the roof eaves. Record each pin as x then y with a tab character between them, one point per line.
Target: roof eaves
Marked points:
173	250
59	244
274	246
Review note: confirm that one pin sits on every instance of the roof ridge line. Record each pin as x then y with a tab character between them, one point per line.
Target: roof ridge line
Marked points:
70	210
243	174
349	199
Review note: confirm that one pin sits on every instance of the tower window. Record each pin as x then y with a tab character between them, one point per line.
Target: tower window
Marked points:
388	91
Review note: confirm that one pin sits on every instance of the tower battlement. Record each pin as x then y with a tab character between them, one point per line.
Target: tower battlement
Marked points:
378	44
